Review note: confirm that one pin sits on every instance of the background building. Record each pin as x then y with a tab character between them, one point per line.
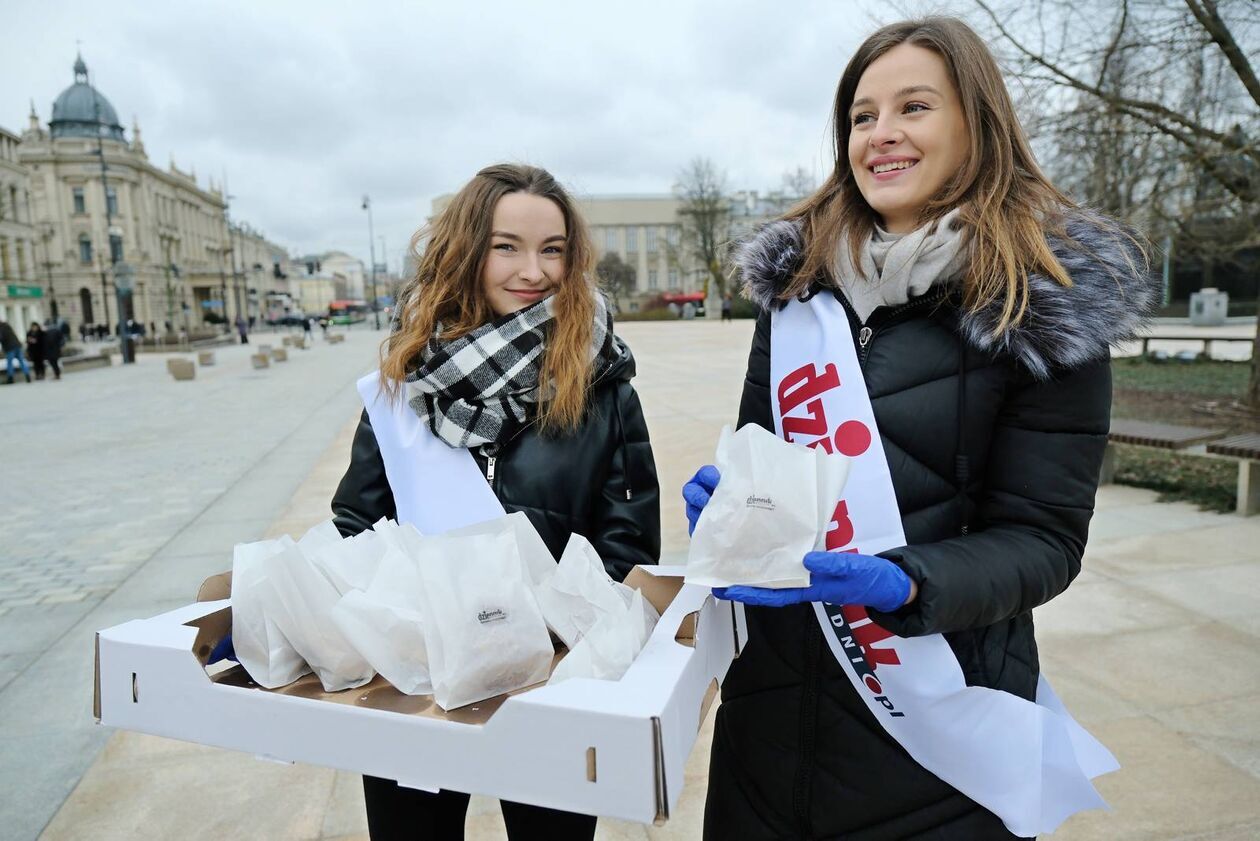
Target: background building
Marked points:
98	204
23	298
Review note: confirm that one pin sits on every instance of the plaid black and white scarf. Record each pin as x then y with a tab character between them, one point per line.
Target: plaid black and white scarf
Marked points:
478	389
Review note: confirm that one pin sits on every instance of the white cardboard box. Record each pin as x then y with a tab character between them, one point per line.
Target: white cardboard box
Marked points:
608	748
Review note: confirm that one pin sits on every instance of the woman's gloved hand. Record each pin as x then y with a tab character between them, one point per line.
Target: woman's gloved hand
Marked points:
697	491
836	578
223	651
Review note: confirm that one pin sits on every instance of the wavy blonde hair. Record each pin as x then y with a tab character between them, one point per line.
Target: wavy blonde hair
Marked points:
1008	205
447	289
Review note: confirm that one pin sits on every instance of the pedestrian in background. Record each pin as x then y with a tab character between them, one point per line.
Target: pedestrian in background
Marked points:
978	302
54	341
35	340
242	327
726	307
12	352
548	417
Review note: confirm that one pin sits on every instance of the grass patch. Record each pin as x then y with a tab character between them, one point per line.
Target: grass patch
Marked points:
1210	483
1205	378
654	314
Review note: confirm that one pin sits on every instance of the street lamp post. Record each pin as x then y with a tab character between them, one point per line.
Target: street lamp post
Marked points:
376	313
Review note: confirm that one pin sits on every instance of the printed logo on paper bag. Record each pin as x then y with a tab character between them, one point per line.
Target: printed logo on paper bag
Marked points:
494	614
765	503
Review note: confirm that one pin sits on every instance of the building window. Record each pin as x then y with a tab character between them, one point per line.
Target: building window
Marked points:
13	203
79	206
115	248
673	278
672	234
651	239
632	240
651	279
111	201
610	239
634	282
85	249
21	259
4	258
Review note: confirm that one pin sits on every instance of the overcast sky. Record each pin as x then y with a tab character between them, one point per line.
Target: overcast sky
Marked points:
307	106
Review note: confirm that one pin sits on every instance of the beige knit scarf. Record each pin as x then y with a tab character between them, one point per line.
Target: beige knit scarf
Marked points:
898	267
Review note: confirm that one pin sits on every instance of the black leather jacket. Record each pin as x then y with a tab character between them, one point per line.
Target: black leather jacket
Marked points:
598	481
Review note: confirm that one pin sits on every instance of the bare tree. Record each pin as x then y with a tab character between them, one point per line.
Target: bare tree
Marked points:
705	214
1149	110
615	277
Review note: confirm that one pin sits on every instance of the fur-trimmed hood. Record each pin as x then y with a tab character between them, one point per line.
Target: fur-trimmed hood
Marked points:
1113	293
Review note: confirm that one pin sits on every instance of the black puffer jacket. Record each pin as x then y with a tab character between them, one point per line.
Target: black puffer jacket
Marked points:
599	481
796	753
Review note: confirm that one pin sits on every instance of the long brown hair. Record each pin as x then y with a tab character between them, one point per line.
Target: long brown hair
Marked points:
1008	204
446	289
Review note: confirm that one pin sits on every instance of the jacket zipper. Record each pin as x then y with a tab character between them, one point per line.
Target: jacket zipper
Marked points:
866	333
490	470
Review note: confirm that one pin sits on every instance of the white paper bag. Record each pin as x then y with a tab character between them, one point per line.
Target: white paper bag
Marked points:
579	591
261	646
771	507
385	625
483	630
609	648
304	599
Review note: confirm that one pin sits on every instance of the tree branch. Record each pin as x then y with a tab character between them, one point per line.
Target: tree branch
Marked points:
1153	108
1205	13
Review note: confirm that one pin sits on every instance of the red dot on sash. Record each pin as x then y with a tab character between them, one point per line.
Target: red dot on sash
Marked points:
853	438
873	684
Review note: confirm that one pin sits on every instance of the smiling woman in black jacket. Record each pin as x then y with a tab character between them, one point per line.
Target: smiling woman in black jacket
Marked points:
504	349
981	304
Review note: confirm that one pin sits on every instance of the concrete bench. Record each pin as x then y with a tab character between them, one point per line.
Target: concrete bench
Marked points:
1164	436
334	338
205	357
280	355
260	360
1206	340
1245	448
181	369
287	341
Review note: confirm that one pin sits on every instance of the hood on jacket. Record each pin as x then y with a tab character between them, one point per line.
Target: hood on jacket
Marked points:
1113	293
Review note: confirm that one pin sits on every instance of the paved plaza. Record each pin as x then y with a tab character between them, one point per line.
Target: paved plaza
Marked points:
127	489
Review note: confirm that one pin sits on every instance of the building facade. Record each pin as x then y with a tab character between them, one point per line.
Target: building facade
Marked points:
22	294
108	219
261	270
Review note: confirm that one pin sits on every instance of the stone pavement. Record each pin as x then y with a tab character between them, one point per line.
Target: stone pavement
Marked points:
1154	648
123	489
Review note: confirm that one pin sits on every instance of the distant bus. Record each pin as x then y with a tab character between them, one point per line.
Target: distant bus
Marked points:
347	312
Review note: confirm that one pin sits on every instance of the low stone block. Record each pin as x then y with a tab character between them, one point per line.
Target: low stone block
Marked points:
287	341
261	360
266	349
299	343
205	357
280	354
181	369
335	338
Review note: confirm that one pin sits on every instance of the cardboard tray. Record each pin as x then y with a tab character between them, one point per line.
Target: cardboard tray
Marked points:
608	748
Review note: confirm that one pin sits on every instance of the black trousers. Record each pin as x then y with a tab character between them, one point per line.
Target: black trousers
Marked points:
397	813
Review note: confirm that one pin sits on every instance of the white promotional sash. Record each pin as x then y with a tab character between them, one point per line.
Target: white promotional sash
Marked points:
1029	763
437	488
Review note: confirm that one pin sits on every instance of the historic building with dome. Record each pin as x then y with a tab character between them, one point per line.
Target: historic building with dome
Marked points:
155	230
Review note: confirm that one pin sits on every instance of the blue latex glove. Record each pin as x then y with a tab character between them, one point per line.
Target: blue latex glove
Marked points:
835	578
697	491
223	651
